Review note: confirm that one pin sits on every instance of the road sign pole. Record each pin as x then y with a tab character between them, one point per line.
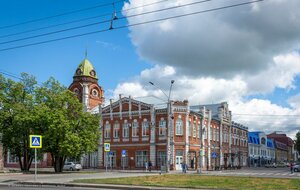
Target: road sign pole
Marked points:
35	165
110	160
106	161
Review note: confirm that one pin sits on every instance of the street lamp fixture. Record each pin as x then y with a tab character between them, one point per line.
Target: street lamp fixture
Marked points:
170	117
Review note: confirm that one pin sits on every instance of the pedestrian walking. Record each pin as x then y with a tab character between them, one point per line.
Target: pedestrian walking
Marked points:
291	167
146	166
150	166
183	167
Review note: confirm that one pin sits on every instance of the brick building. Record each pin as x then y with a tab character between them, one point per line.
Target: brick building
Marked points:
285	146
142	129
90	93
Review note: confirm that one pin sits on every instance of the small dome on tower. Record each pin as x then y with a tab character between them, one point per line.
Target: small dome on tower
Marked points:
85	68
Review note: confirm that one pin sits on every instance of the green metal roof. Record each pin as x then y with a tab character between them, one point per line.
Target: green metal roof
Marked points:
85	68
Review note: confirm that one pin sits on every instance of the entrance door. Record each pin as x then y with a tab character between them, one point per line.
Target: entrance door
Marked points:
179	160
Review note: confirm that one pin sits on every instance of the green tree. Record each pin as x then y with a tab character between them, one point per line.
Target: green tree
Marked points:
16	117
67	130
51	111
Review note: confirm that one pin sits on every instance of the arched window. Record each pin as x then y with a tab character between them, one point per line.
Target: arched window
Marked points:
145	128
135	128
179	126
162	127
107	130
116	130
125	129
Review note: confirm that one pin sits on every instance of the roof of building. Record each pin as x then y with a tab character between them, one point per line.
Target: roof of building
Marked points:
270	143
214	108
238	125
85	68
280	145
253	137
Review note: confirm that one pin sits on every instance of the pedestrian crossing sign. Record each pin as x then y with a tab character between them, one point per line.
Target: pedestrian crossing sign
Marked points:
106	147
35	141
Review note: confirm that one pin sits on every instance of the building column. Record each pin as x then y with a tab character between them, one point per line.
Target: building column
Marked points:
209	139
85	96
100	147
187	145
152	137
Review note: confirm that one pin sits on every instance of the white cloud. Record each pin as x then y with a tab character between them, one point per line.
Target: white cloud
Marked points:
262	115
206	90
282	73
294	101
241	40
222	56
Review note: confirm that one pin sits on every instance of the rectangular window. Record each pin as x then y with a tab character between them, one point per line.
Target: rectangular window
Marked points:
162	128
190	129
11	158
116	130
179	127
124	160
161	158
107	130
194	129
145	128
125	130
135	129
141	157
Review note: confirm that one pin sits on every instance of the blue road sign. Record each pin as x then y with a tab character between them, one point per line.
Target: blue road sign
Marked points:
111	153
123	153
214	155
35	141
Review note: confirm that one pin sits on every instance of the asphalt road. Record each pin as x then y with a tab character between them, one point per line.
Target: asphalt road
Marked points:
59	180
47	188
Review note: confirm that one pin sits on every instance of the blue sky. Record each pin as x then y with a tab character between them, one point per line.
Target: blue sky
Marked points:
247	55
110	52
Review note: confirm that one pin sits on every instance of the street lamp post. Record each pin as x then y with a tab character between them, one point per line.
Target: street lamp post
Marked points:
168	148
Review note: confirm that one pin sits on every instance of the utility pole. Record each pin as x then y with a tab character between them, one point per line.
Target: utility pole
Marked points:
201	138
169	114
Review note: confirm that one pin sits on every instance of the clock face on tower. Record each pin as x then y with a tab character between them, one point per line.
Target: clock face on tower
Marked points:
76	91
93	73
78	72
95	93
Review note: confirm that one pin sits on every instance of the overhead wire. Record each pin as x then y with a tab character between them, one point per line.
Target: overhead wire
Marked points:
133	25
59	15
104	21
10	75
83	19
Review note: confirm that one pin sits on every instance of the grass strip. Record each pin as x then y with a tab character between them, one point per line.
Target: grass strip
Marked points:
197	181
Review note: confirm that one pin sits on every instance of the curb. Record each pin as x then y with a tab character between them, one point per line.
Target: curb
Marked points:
107	186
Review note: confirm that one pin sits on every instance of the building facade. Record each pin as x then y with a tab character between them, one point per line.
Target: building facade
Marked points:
285	145
139	131
261	149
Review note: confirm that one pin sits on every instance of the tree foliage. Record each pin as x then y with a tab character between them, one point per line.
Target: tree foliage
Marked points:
17	117
67	130
51	111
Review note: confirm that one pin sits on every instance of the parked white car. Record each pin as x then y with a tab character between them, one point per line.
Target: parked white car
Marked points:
71	166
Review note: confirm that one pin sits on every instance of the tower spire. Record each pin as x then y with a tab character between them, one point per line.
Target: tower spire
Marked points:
86	53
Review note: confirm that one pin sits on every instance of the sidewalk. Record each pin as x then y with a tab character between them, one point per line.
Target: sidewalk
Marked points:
47	177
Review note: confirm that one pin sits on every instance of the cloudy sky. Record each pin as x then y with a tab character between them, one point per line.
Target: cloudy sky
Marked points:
248	55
